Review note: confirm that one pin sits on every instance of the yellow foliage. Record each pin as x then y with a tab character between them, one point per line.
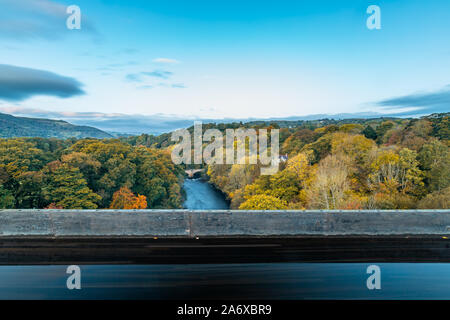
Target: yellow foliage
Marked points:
263	202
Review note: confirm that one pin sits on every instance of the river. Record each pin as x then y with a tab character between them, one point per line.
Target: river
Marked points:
200	195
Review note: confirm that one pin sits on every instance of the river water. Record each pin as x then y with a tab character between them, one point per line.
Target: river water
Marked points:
200	195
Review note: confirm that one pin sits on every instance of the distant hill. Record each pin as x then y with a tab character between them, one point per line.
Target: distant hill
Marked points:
11	126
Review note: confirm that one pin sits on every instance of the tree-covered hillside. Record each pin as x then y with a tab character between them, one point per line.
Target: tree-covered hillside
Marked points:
11	126
348	164
86	174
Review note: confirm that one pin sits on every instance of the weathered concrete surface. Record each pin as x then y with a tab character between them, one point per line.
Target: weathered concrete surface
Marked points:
184	223
321	223
16	222
93	223
119	222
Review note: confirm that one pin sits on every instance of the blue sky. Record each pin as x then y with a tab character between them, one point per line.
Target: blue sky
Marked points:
220	59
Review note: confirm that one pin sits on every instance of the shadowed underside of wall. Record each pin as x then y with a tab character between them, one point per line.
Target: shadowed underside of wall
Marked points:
192	224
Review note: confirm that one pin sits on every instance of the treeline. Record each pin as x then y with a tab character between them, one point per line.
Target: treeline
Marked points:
86	174
368	164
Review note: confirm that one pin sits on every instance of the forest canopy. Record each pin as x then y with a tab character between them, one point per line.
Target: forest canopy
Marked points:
348	164
384	163
86	174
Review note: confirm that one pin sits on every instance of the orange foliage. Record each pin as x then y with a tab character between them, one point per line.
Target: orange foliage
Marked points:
125	199
53	206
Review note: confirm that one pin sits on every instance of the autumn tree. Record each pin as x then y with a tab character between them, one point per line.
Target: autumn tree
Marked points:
397	171
436	200
264	202
356	149
351	128
295	142
416	134
125	199
330	185
19	155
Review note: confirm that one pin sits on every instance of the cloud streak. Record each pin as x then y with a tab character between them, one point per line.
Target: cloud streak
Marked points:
431	102
166	60
18	83
158	74
139	77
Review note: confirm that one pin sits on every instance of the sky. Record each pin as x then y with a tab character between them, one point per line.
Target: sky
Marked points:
224	59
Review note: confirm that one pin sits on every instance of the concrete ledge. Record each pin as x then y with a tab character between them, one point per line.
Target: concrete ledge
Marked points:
191	224
120	222
17	222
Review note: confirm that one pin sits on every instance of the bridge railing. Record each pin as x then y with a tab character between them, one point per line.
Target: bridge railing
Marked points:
185	223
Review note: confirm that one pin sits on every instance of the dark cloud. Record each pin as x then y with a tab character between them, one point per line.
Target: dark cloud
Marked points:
423	103
18	83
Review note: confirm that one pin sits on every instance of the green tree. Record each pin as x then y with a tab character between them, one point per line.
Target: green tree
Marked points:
441	126
28	190
157	174
7	200
369	133
434	158
320	148
87	165
67	188
382	129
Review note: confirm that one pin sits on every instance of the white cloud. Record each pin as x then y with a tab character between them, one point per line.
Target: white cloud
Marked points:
166	60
